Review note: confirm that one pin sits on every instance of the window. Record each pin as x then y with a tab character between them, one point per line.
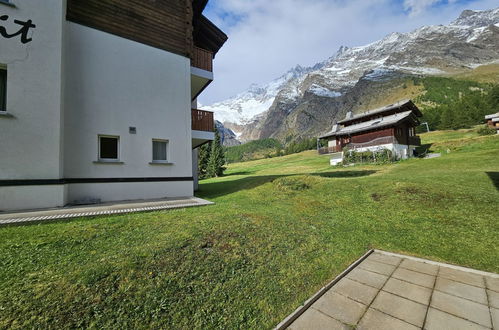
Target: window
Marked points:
159	151
412	131
3	89
109	148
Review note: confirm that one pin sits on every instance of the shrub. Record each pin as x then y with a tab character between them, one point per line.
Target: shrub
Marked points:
381	156
486	130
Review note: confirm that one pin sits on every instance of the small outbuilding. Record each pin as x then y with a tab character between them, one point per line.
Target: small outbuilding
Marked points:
493	121
391	127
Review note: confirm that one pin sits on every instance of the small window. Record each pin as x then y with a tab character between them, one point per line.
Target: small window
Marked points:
159	151
109	148
3	89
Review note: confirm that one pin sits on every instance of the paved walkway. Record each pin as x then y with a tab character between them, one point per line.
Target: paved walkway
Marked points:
101	209
390	291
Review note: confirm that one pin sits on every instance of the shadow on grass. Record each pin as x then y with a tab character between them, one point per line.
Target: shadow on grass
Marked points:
222	188
494	177
239	173
423	150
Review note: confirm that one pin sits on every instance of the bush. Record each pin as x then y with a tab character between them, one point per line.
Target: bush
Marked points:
486	130
382	156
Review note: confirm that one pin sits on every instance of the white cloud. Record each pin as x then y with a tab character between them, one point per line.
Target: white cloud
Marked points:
417	7
266	38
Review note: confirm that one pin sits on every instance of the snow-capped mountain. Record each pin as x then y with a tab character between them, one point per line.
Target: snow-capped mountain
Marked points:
305	100
244	107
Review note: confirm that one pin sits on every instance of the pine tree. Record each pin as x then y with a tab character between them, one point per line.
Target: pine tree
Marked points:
216	162
204	155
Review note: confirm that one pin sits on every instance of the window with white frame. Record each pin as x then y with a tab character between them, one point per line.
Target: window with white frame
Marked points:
3	89
159	151
109	147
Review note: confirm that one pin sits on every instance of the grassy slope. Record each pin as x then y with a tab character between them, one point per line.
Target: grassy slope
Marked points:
407	90
280	229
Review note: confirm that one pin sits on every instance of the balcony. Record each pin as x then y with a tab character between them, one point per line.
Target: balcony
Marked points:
328	150
202	59
201	70
203	127
202	120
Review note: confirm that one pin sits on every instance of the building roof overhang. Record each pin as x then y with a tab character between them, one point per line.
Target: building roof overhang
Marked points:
492	116
406	104
207	35
374	124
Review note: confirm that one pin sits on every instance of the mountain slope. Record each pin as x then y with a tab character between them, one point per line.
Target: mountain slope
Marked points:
304	101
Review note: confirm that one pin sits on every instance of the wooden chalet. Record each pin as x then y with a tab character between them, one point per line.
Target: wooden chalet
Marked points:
391	127
493	121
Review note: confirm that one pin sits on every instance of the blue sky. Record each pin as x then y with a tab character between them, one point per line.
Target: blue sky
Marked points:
268	37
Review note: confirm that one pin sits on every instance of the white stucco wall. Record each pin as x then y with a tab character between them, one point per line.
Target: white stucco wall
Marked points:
108	192
30	140
113	84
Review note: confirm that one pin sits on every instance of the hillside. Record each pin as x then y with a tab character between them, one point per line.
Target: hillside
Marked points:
279	230
304	102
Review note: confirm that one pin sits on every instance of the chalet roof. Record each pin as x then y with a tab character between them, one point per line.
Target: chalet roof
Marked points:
371	124
492	116
403	103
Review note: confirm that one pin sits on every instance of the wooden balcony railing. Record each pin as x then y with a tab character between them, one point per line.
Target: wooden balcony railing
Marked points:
328	150
202	120
202	59
376	142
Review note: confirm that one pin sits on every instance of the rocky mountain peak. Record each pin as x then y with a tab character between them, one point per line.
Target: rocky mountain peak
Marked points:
304	100
477	18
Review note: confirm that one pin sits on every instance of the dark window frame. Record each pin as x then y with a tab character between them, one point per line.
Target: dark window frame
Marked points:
108	159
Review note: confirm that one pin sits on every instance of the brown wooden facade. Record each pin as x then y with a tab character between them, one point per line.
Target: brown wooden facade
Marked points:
177	26
493	124
400	130
202	120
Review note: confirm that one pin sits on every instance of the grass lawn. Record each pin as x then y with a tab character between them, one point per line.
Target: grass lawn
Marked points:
281	228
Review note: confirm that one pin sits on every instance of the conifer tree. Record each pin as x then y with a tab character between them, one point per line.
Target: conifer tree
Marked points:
204	155
216	162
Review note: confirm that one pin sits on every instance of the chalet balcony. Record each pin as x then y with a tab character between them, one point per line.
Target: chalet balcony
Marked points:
202	59
202	120
328	150
203	127
201	70
373	143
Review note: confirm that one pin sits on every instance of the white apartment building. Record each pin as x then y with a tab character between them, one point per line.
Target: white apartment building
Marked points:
96	99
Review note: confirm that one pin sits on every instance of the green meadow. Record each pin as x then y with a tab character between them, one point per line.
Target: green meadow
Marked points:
281	228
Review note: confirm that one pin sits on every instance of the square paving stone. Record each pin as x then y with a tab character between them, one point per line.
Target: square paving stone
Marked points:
313	319
462	276
375	320
492	283
493	298
377	267
419	266
356	291
414	277
461	290
495	317
401	308
408	290
340	308
460	307
386	259
366	277
438	320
